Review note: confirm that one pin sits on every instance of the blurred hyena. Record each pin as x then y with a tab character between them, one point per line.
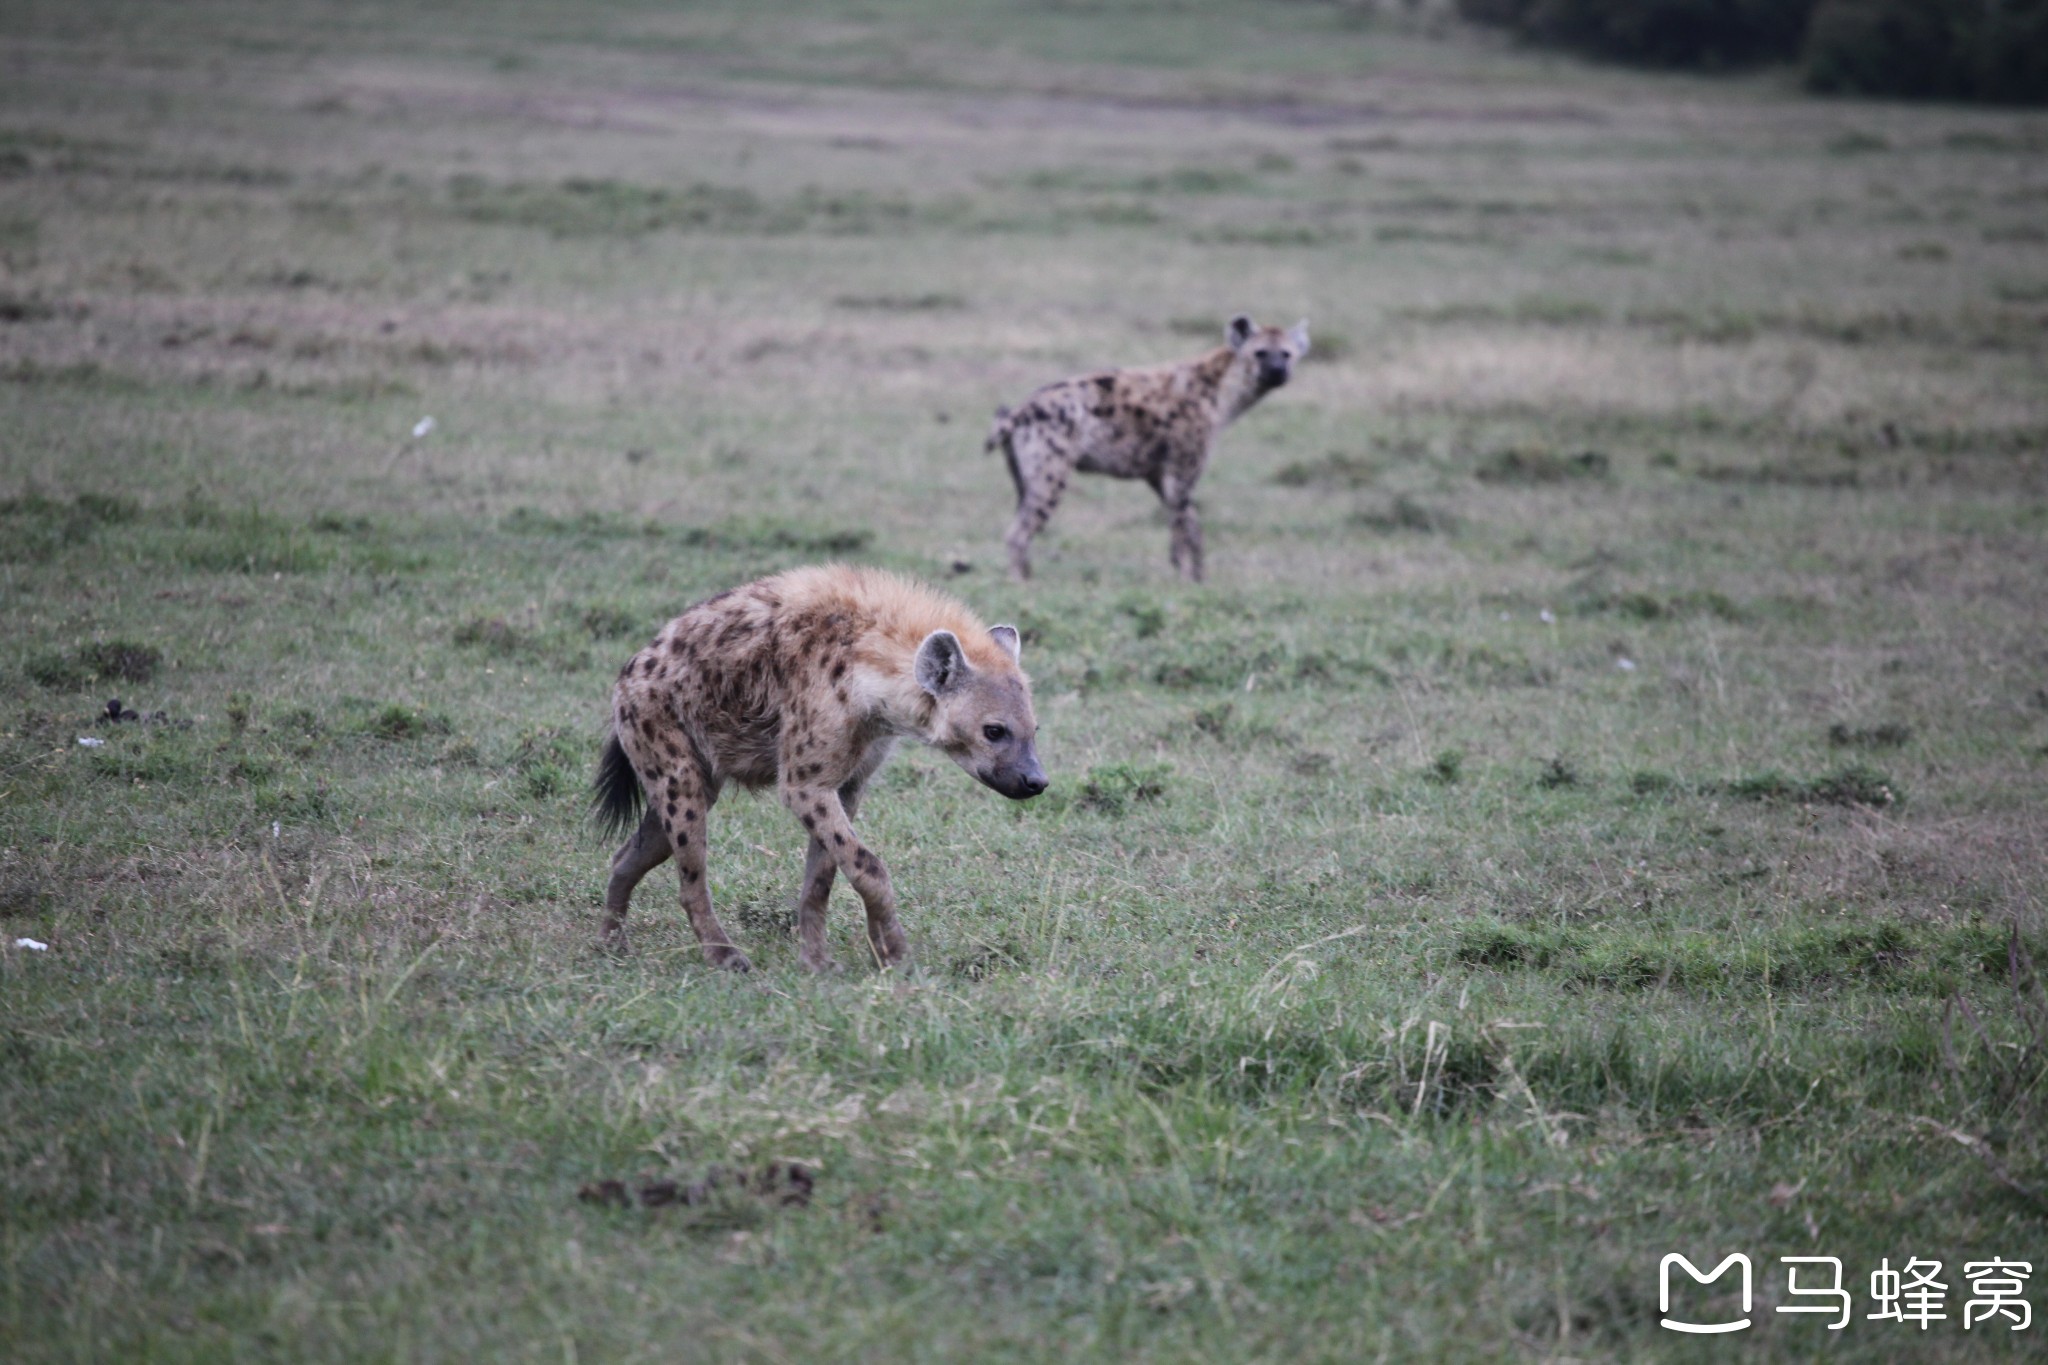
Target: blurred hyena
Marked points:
1156	424
805	680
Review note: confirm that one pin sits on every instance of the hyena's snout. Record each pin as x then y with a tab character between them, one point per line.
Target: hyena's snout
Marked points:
1018	777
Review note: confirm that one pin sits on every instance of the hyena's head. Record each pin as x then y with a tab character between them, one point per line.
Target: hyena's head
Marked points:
1270	351
982	715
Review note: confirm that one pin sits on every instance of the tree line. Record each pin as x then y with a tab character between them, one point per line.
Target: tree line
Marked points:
1995	51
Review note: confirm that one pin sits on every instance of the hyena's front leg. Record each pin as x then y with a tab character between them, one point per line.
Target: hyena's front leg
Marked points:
644	850
823	815
1042	467
1179	496
819	869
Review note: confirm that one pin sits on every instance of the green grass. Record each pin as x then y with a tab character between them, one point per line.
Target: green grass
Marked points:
1592	812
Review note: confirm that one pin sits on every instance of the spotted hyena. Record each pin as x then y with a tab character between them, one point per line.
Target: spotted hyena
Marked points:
1155	424
805	680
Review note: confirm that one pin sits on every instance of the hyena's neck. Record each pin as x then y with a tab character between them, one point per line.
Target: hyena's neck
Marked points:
1230	383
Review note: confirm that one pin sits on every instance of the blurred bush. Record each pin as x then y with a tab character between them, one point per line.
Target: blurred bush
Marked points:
1990	50
1699	34
1987	50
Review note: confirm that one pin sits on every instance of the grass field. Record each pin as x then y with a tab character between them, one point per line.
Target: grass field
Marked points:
1594	810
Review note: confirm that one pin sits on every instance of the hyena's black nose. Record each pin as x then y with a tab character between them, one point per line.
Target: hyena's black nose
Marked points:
1032	785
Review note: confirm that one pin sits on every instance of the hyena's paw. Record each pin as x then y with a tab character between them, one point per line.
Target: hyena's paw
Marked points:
888	944
819	963
727	958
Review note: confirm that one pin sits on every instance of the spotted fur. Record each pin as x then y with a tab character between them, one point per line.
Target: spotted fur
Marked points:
1157	424
805	682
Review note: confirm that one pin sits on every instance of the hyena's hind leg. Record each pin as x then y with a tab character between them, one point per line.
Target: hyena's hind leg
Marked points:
644	850
1041	467
679	798
616	799
683	802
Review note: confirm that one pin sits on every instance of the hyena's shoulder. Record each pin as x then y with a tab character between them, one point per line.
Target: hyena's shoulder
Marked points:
1168	385
1107	393
839	618
1159	396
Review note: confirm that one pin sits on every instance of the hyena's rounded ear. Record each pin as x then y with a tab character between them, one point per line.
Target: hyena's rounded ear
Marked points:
1007	640
940	663
1297	337
1238	332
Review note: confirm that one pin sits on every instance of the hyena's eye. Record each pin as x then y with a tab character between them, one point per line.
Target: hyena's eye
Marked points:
995	734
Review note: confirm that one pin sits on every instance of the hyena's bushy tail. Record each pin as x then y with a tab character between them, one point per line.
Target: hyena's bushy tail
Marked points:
999	439
615	796
998	430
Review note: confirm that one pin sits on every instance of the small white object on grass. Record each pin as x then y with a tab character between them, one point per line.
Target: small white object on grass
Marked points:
1625	664
275	831
1547	617
422	427
33	945
92	741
